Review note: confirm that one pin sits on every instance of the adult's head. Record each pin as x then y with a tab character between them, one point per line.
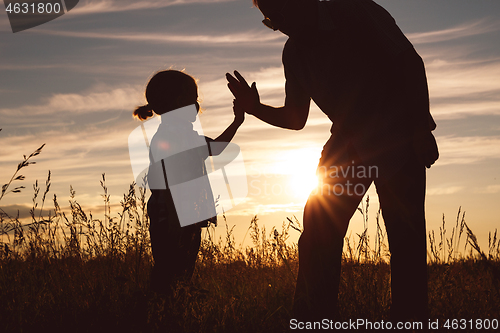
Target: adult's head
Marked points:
291	17
166	91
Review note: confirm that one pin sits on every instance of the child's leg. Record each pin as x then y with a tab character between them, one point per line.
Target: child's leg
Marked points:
165	234
175	248
190	245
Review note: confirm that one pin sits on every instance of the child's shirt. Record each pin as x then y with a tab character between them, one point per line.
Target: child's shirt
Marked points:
177	163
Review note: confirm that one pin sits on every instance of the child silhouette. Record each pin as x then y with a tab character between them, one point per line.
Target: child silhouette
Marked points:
177	156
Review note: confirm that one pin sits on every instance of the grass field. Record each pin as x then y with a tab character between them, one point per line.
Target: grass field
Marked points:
72	272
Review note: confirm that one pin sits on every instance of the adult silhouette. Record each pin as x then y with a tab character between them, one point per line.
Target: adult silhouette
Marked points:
353	61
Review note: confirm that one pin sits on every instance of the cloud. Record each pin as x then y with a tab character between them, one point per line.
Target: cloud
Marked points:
458	78
86	7
466	150
5	25
91	7
260	209
463	109
85	133
77	156
444	190
71	156
13	210
229	39
95	101
491	189
461	87
464	30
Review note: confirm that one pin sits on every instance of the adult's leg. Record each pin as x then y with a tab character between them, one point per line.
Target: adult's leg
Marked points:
402	201
326	218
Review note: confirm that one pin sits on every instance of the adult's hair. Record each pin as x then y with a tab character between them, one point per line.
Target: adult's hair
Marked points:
166	91
270	4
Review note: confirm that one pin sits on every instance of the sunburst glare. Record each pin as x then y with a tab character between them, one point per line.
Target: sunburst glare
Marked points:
299	165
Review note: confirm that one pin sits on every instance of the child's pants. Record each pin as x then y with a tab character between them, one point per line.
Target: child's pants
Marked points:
174	248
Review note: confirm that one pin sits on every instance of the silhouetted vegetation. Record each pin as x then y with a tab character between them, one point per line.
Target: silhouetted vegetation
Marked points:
70	271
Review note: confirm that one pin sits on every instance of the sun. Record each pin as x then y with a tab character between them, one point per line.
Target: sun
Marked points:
303	185
299	165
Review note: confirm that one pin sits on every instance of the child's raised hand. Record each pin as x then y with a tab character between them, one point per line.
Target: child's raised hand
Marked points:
239	112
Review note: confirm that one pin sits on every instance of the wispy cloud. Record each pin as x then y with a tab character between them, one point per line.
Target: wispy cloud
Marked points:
76	155
234	38
460	87
13	210
260	209
491	189
462	109
104	6
92	7
444	190
95	101
462	30
465	150
456	78
5	25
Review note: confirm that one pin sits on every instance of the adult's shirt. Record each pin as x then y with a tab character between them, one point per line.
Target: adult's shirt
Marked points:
365	75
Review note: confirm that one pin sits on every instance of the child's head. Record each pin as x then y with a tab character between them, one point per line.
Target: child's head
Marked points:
166	91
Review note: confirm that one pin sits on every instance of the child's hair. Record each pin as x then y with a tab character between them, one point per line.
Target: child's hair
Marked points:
166	91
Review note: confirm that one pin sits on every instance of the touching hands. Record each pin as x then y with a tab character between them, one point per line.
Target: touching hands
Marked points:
247	96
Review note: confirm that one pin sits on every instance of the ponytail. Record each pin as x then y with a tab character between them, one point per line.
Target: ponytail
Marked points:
143	112
166	91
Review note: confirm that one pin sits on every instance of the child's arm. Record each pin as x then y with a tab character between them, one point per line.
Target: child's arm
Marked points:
228	134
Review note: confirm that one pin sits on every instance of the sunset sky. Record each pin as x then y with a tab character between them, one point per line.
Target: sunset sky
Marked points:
73	83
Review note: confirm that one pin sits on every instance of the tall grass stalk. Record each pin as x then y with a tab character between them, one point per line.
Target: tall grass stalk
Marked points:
67	269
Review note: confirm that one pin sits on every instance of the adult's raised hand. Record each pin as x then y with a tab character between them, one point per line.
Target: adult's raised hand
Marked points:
247	96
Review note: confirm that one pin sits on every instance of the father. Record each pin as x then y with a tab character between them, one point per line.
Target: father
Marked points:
351	58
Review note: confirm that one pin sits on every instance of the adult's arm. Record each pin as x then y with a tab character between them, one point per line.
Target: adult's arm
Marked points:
293	115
